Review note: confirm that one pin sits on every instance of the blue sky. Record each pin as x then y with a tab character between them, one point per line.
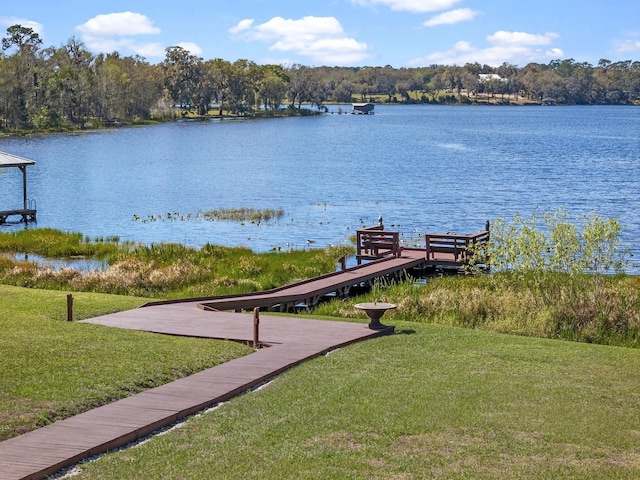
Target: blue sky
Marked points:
400	33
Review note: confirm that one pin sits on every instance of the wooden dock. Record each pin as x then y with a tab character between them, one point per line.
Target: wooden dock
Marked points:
43	452
26	214
308	293
385	259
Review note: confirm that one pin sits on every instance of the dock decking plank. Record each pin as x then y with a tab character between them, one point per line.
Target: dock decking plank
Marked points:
313	288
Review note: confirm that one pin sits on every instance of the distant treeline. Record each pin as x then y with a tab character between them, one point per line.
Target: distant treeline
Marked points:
69	87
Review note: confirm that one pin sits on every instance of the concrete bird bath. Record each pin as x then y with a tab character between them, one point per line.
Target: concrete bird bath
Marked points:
375	310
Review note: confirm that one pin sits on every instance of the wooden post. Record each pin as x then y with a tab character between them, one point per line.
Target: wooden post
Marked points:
487	225
256	327
24	187
343	263
69	307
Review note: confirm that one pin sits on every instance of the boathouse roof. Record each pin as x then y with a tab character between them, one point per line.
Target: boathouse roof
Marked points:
9	160
362	104
362	107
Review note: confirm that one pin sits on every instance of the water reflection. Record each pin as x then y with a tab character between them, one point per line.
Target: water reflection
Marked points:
81	264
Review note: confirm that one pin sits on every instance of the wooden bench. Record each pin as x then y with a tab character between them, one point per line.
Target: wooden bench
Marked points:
455	248
375	242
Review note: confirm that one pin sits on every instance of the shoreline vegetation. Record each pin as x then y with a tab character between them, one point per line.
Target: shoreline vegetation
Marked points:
178	114
305	110
553	276
68	88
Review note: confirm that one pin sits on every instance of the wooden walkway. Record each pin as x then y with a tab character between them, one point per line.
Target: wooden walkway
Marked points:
309	292
43	452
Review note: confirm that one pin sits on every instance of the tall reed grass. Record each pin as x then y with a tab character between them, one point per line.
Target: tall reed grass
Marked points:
161	270
515	306
52	243
243	214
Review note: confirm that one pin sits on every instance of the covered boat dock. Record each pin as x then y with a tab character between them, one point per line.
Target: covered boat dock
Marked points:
28	210
362	108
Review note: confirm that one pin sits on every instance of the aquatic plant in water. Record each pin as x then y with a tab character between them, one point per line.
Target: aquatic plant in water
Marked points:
242	214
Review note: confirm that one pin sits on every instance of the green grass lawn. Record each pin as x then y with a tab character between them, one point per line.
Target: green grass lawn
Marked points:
430	402
433	401
51	368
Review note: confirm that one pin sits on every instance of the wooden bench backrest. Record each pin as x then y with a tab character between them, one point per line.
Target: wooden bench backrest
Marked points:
458	245
370	240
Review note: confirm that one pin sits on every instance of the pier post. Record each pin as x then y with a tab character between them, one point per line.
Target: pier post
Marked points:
24	186
69	307
256	327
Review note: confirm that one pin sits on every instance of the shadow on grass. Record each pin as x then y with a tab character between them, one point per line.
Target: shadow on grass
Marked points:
405	331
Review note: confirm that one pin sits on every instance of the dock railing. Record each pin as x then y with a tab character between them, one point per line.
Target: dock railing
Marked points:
456	248
376	242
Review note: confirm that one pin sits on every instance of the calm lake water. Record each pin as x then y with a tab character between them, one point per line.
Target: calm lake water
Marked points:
422	168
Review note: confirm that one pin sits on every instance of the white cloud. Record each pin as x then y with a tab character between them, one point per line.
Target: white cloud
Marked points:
511	47
554	53
124	45
242	26
306	29
320	38
413	6
117	31
146	50
6	22
628	46
521	38
333	51
120	32
452	16
193	48
122	23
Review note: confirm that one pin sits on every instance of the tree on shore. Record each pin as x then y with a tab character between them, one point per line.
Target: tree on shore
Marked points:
19	77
